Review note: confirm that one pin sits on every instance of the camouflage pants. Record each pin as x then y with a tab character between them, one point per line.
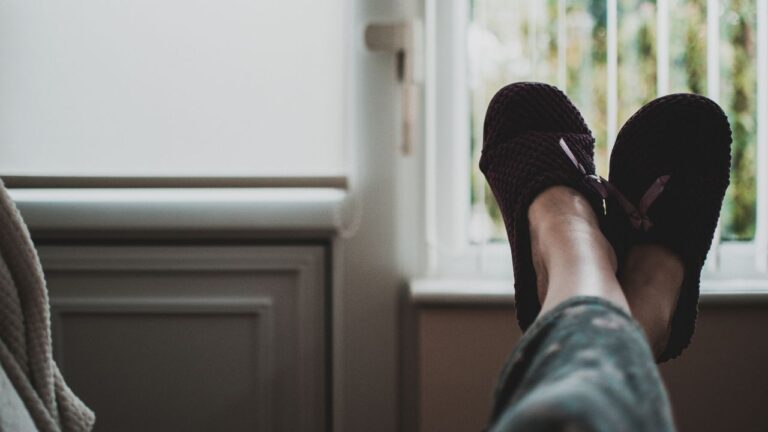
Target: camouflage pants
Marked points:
583	366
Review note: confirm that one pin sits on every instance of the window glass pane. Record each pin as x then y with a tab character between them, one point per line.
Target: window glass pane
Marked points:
587	74
508	41
637	56
172	88
688	46
518	40
738	97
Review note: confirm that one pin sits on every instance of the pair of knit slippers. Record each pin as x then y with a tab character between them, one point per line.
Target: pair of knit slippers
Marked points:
669	169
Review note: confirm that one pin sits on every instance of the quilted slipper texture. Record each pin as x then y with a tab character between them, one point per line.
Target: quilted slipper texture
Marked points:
684	140
521	157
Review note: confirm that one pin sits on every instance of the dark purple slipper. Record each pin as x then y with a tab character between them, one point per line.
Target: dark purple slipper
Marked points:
669	171
534	138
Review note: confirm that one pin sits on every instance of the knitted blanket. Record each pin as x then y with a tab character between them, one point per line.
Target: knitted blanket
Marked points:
25	331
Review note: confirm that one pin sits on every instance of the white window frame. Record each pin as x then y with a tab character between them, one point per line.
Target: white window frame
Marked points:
731	266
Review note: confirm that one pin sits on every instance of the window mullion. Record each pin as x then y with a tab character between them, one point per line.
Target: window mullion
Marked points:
533	38
662	42
713	92
613	63
761	230
562	78
713	51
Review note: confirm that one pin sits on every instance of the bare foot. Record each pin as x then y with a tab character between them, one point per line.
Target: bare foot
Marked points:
651	279
571	256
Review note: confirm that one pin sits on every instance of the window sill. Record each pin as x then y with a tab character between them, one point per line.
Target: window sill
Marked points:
500	292
295	210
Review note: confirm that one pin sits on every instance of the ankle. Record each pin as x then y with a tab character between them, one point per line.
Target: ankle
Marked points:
558	205
553	218
571	255
650	265
563	225
656	326
651	280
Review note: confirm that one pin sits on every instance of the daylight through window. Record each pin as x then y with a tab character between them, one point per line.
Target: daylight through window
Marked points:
613	56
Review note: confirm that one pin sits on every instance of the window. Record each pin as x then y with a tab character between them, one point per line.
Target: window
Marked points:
610	57
175	88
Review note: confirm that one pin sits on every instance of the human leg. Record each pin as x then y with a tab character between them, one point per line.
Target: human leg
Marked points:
584	364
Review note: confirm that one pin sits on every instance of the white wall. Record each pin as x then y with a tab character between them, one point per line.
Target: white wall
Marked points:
389	246
169	111
176	87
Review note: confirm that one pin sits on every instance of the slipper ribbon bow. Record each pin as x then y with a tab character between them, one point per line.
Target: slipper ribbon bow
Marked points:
638	215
